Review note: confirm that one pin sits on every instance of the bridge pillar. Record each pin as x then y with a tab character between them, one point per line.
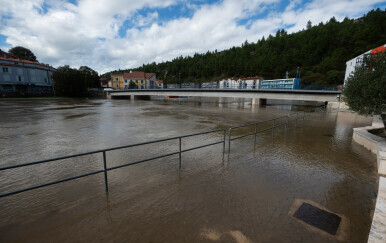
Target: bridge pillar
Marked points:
132	97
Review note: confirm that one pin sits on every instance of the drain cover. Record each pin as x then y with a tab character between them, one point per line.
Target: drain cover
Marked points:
318	218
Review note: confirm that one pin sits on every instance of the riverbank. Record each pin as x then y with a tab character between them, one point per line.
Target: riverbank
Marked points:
366	136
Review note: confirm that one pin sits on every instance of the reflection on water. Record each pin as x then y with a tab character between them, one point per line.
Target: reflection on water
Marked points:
244	195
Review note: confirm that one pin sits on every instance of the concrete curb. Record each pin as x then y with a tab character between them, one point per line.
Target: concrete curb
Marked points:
376	145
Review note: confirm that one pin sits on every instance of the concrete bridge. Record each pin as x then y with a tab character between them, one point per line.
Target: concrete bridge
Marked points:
258	95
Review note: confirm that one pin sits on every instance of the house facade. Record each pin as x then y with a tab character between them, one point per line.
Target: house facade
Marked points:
352	64
117	81
240	83
229	83
141	79
159	84
250	82
23	76
106	83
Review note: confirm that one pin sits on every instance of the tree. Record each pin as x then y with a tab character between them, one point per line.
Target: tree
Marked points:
69	82
365	90
323	50
132	85
309	25
90	77
23	53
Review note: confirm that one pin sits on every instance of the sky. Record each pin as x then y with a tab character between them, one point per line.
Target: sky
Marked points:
109	35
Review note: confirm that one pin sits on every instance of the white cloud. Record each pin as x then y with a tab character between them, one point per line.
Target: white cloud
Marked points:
90	33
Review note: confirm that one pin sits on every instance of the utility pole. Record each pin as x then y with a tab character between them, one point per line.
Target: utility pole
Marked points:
179	79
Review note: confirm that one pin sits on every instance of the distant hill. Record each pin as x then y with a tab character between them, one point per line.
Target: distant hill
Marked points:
321	52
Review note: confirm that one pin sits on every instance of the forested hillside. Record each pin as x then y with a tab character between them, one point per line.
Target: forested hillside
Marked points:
321	52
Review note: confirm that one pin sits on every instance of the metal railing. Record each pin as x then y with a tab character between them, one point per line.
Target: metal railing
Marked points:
242	86
105	168
274	125
179	152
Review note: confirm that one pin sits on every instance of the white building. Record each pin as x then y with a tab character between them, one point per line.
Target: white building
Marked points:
240	83
250	83
229	83
357	61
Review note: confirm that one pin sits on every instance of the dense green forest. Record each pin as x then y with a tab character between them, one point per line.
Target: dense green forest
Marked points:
321	52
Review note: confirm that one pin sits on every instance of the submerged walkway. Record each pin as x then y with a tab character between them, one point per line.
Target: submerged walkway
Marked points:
378	227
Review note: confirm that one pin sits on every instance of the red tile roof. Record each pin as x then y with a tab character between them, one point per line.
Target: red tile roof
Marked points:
137	75
9	57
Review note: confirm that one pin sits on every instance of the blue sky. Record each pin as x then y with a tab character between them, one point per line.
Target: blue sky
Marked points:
119	34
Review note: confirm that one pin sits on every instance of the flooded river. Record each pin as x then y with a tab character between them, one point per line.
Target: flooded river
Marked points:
242	196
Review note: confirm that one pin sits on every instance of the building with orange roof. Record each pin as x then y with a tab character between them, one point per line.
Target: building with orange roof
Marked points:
24	76
352	64
141	79
159	84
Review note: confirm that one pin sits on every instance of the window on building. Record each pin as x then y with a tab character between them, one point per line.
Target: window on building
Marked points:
125	80
19	78
116	79
5	70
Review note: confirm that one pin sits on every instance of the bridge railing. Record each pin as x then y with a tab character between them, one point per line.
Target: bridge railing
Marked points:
105	167
249	87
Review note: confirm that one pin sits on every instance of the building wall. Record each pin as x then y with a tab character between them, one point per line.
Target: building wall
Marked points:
14	74
141	83
151	83
229	83
352	64
117	81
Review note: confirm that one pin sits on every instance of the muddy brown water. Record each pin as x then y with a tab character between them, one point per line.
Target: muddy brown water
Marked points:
241	196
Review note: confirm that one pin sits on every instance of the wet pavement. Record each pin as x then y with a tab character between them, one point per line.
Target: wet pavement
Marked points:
242	196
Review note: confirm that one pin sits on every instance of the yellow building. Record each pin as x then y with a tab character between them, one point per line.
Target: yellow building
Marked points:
117	81
141	79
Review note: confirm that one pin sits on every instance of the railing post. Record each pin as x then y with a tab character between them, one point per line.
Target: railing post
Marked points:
287	123
273	127
223	144
180	150
229	139
105	171
255	132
